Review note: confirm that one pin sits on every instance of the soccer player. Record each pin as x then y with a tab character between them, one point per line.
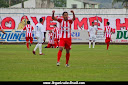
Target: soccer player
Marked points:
65	35
108	32
51	40
56	34
29	28
92	32
39	33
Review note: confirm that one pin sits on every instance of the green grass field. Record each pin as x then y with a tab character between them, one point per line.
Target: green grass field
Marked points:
98	64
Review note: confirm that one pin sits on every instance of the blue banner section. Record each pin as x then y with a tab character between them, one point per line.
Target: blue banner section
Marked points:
16	36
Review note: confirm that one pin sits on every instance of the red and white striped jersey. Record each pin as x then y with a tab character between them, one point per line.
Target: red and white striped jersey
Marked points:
29	28
56	32
108	31
51	38
65	27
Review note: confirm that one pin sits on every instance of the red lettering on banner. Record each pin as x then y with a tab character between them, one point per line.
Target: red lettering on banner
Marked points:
48	23
34	19
93	19
80	23
8	23
119	25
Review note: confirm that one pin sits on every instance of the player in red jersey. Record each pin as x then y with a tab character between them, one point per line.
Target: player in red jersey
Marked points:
51	40
65	35
108	32
56	34
29	28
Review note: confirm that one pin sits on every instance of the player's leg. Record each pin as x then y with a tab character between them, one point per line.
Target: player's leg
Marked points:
27	42
68	47
37	46
49	45
40	45
89	43
90	39
107	40
67	57
31	40
94	39
60	51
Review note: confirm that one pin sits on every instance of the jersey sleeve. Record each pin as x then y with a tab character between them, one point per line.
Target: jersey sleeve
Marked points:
104	28
70	21
111	29
59	20
32	28
0	28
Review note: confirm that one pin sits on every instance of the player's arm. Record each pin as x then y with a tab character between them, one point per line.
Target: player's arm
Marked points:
73	15
53	17
23	30
88	34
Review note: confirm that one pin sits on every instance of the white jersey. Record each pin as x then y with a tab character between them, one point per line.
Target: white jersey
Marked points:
92	30
39	30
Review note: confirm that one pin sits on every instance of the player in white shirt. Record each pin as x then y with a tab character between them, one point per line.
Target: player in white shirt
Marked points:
39	35
92	32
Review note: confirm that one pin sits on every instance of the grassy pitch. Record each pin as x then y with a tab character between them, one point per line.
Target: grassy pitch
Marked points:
98	64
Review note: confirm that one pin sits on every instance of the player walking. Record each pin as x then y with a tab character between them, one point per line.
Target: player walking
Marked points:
108	32
92	32
29	28
65	35
39	33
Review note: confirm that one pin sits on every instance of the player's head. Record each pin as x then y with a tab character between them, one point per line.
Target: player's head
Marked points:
50	31
41	20
55	25
28	22
92	23
108	23
65	16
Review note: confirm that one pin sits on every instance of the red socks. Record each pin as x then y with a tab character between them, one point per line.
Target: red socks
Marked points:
27	44
107	46
67	57
59	55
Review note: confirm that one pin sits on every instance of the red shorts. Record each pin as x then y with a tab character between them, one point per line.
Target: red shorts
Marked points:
107	40
29	38
65	42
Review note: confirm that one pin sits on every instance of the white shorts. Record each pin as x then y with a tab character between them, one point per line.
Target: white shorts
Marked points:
40	38
92	37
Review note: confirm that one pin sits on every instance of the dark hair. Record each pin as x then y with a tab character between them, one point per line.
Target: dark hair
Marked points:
55	25
108	23
92	22
64	13
28	22
40	19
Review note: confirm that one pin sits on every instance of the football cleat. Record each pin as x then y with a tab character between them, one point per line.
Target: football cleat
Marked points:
34	52
67	65
58	64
